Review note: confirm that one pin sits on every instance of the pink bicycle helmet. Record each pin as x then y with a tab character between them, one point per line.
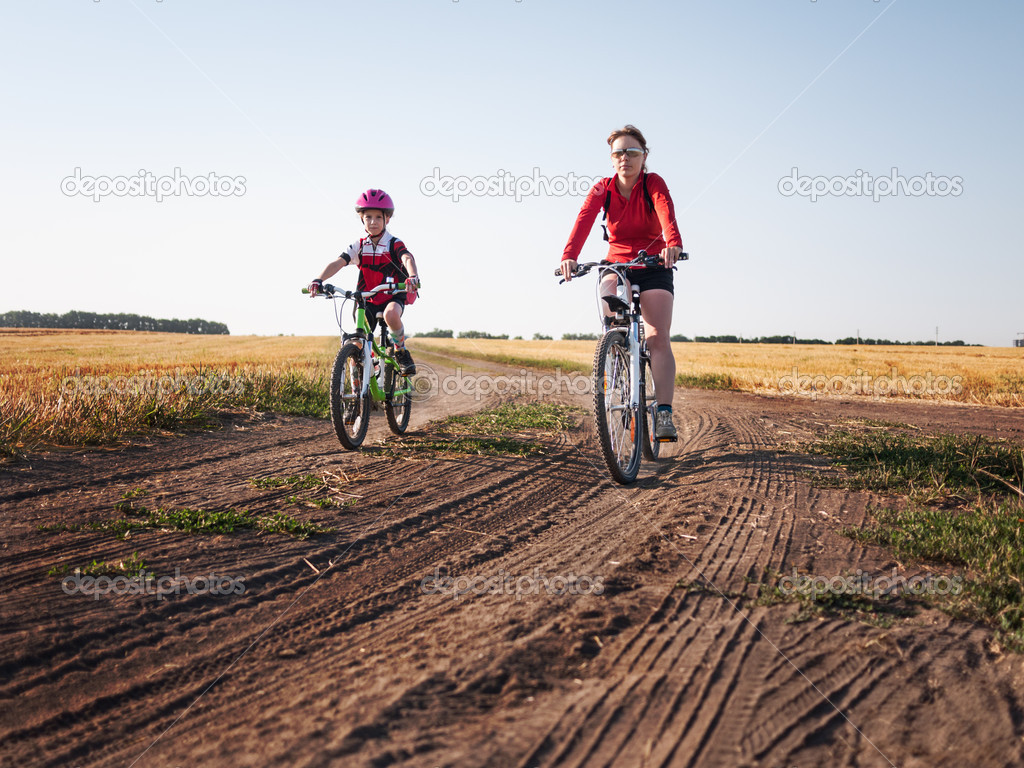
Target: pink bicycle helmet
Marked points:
375	198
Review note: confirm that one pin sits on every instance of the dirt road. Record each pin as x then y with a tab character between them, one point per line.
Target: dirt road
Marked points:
487	611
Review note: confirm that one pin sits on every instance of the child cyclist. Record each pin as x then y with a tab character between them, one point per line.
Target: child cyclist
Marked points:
380	255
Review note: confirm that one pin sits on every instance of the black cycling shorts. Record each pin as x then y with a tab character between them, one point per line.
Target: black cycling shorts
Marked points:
373	309
651	278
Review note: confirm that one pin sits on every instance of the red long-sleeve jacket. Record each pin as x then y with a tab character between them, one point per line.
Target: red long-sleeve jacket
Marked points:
632	226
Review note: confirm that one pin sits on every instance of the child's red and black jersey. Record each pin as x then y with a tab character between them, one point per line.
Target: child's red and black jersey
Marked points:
632	225
378	262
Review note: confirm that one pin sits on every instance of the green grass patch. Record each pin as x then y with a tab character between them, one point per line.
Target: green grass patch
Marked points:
514	417
129	565
849	604
987	540
197	521
480	445
965	509
705	380
865	607
294	393
923	466
494	432
302	482
59	527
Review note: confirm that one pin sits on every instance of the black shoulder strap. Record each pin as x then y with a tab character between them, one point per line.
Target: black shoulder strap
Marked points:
607	204
392	251
647	195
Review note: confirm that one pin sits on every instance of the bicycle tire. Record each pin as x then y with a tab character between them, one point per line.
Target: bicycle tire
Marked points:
649	403
618	428
398	412
350	411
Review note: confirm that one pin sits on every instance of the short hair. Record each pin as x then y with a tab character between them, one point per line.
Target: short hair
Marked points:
628	130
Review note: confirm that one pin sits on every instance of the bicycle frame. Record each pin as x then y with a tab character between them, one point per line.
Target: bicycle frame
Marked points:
631	313
363	333
624	413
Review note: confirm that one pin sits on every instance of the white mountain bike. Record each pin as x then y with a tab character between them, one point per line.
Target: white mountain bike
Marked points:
625	407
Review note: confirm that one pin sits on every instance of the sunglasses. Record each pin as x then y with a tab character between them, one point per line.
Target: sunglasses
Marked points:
632	153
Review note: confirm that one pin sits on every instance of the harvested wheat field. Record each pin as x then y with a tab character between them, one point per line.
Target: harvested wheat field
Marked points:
477	592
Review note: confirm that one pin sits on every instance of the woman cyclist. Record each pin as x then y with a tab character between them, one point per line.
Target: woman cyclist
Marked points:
639	215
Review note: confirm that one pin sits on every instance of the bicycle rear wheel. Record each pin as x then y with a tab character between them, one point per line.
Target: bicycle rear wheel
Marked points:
649	404
350	410
397	399
619	428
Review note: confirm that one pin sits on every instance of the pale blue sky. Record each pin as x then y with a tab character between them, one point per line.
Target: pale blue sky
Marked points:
312	102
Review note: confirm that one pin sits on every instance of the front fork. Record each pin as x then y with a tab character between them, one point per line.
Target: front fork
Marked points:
634	364
366	345
635	352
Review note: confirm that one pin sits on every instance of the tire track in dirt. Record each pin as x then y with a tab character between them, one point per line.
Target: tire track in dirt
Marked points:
363	665
659	714
394	635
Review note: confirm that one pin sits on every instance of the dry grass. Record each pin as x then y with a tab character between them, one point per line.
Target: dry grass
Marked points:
44	373
72	388
979	375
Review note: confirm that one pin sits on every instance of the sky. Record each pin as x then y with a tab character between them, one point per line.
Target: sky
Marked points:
838	167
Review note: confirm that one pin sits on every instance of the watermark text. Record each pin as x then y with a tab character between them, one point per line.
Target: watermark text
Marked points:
147	184
863	184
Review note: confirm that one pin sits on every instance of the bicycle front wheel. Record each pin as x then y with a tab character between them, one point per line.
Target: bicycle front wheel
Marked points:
649	404
619	427
350	409
397	400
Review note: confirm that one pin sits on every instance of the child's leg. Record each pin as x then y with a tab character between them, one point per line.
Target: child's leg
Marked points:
393	318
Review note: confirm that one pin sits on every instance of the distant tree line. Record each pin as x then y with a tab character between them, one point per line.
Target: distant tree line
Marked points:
957	343
727	339
480	335
76	320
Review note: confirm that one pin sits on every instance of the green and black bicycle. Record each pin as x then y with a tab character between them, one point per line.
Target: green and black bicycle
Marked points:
366	375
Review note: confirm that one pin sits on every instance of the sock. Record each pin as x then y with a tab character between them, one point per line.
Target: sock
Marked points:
399	338
664	408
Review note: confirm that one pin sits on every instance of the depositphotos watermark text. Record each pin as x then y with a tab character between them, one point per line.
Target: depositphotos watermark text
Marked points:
504	583
505	184
147	184
862	583
428	383
160	385
146	583
863	383
863	184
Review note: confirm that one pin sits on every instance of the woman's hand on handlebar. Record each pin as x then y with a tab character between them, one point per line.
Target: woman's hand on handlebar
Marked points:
670	256
568	269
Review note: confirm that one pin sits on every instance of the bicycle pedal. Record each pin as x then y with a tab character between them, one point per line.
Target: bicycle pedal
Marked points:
668	439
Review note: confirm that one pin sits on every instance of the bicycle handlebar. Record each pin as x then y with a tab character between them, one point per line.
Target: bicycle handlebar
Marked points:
643	259
330	291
